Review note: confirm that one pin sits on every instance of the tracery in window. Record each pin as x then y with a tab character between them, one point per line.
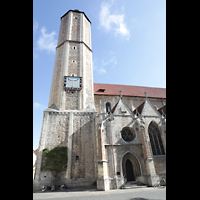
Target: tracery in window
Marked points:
155	139
128	134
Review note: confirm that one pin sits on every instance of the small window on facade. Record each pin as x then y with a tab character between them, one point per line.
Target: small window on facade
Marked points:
77	159
108	107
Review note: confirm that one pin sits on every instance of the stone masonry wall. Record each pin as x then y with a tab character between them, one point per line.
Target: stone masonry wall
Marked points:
54	133
57	133
71	100
75	33
83	141
88	78
64	30
87	38
83	146
74	59
56	80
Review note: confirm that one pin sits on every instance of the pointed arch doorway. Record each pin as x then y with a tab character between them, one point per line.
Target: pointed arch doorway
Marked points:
131	167
129	171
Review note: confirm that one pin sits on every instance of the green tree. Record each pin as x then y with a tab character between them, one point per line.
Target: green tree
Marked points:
54	160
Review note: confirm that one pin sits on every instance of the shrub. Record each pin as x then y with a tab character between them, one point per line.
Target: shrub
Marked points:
54	160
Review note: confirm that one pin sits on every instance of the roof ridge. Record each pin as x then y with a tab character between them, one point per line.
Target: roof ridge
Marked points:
129	85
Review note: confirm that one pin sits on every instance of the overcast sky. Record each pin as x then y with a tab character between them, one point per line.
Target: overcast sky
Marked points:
128	43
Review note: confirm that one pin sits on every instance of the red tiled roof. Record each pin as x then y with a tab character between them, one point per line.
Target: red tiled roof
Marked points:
129	90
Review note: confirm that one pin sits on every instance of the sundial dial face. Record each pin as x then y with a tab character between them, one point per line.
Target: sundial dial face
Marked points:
72	83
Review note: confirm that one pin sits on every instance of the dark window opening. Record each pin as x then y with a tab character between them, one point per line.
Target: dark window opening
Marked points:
108	107
77	159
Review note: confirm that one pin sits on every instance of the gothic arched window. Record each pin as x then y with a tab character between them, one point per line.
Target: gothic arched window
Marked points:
155	139
108	107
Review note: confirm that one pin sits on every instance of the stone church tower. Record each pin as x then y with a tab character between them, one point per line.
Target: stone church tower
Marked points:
114	133
69	119
72	82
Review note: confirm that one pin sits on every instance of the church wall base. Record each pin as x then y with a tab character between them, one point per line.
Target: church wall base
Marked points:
103	184
70	184
152	179
110	183
119	182
143	179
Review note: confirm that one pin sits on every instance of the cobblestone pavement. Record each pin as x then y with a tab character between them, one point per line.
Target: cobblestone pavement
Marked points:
148	193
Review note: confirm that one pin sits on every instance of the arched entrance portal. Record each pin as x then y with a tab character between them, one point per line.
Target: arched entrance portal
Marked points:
129	171
131	167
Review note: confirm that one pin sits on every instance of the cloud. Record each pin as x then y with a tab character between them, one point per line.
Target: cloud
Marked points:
99	70
112	22
112	61
38	106
102	71
46	41
108	61
35	26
